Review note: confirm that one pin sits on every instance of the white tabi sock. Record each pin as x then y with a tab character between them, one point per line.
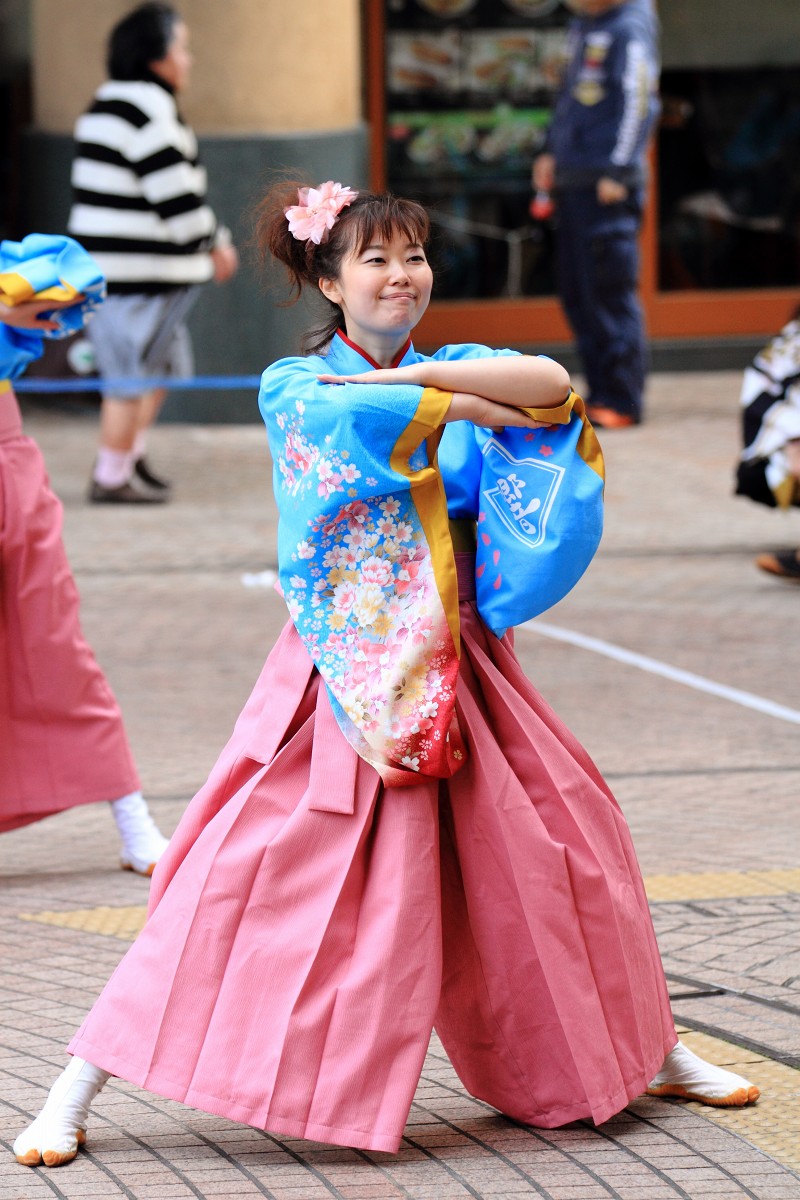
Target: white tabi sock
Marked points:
684	1074
53	1138
142	842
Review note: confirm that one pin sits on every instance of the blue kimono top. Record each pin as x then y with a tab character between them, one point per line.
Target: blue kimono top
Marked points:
365	556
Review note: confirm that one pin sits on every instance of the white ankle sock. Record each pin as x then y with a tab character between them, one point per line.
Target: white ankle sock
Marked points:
684	1073
142	842
60	1128
112	468
139	446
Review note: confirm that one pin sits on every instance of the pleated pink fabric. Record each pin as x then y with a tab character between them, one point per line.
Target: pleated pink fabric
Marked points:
308	927
62	741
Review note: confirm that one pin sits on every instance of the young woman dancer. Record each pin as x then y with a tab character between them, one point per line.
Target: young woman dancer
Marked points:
400	833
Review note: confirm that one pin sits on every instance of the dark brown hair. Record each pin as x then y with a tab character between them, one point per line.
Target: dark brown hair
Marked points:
369	216
139	39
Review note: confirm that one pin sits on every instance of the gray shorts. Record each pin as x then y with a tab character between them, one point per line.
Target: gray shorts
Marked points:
139	336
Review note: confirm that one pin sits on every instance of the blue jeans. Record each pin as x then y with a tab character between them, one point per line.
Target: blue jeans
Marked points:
597	271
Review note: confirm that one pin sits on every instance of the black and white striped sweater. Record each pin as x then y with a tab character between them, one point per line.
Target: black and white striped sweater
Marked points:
139	191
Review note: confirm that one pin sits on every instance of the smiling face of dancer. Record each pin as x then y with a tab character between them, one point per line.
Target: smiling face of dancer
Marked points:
383	290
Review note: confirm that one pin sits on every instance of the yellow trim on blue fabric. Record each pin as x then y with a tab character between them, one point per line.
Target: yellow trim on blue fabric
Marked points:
430	501
588	446
784	492
5	386
16	289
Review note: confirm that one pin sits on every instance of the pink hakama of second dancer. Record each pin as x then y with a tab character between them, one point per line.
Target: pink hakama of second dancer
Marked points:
309	927
63	740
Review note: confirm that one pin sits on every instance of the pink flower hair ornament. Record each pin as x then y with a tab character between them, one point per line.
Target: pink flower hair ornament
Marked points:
318	210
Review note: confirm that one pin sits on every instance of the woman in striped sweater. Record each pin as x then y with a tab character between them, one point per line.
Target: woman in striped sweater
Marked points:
140	209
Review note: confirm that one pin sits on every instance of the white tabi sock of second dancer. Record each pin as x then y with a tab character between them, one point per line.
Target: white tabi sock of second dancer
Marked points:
54	1137
142	842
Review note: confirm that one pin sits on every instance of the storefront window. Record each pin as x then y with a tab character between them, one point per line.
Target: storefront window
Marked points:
470	85
729	145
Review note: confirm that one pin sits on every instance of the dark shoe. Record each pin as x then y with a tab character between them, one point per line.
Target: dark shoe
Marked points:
142	469
610	418
785	564
126	493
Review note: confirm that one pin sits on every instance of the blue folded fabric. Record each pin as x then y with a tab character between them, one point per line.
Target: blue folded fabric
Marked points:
541	514
39	263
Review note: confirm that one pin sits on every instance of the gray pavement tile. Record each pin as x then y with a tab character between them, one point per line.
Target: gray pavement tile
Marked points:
785	1191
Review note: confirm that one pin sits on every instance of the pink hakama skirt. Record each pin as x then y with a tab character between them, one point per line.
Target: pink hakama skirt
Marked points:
309	927
62	741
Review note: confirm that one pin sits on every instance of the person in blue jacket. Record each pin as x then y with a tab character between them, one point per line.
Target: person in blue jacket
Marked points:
594	165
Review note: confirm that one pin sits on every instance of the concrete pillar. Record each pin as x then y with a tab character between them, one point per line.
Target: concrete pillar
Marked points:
261	66
275	85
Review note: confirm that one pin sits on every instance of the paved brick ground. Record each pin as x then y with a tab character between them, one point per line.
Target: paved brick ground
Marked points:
710	789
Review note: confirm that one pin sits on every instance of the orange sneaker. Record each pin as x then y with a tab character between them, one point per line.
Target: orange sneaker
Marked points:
609	418
786	565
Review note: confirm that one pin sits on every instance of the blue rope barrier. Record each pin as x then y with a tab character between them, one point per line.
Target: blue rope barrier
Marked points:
119	387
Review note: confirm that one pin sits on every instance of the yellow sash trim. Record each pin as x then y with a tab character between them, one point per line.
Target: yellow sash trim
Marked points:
588	446
784	492
5	386
427	492
16	289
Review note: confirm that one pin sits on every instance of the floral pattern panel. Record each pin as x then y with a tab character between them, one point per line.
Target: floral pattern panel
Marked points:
373	623
360	585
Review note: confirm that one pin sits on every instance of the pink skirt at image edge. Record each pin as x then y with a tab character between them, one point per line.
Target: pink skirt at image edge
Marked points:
62	740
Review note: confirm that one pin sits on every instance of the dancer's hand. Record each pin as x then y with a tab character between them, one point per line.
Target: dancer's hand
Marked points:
29	314
465	406
516	380
488	414
408	374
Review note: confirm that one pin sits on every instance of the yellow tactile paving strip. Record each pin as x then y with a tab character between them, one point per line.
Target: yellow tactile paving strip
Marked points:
125	923
122	923
772	1125
722	885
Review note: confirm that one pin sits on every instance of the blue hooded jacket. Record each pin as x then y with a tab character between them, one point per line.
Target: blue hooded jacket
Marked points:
608	101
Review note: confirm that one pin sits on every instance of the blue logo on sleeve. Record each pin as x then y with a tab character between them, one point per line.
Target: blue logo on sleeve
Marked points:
524	491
